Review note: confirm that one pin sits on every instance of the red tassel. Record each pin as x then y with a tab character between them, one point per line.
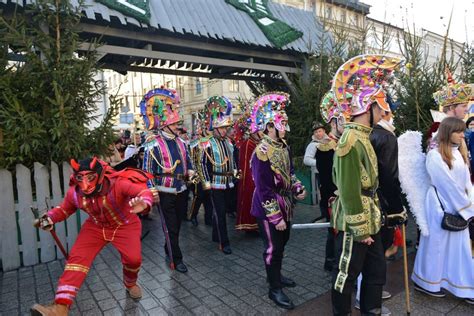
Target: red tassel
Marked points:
75	166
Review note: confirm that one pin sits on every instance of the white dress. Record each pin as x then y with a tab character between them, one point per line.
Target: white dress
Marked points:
444	258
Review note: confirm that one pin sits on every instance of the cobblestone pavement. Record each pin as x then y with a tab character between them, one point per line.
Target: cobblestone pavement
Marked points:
215	283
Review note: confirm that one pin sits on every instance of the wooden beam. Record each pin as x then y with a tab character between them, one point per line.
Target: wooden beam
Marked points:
122	68
185	43
126	51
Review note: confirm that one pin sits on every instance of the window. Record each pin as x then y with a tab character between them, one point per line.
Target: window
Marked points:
233	85
343	17
181	87
328	14
356	20
198	83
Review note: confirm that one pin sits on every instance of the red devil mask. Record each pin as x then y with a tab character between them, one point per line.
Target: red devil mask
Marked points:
88	175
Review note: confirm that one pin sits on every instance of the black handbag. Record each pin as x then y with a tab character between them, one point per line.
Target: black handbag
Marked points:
451	222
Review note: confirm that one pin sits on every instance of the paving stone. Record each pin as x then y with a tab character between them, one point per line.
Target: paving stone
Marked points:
160	293
149	303
157	311
190	301
107	304
201	311
101	295
179	311
114	312
86	304
211	301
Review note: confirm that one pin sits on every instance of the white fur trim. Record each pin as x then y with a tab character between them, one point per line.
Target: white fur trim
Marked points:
414	178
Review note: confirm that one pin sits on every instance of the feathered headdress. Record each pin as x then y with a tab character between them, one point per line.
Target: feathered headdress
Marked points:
364	77
453	93
159	108
270	108
218	111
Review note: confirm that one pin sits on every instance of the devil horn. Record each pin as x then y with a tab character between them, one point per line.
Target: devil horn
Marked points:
75	165
93	162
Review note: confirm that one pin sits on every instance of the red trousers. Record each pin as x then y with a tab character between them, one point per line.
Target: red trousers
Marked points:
90	241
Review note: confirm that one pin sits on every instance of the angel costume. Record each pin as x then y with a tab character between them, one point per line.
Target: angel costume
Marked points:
444	258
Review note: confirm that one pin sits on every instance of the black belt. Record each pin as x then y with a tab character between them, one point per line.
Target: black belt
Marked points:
223	174
172	175
368	193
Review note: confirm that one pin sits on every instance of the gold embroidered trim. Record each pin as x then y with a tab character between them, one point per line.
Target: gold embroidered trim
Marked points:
130	269
111	212
346	143
360	218
344	262
271	207
446	280
331	145
76	267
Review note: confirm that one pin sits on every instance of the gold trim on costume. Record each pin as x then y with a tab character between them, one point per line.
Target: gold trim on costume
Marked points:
111	212
446	280
344	262
76	267
130	269
271	207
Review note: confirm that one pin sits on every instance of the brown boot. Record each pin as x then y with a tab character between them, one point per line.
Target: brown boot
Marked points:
135	292
49	310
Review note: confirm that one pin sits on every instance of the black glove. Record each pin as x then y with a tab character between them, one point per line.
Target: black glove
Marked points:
395	219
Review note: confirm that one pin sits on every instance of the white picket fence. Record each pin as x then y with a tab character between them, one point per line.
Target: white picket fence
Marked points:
16	218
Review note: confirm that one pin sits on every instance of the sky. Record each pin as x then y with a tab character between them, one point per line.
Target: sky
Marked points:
432	15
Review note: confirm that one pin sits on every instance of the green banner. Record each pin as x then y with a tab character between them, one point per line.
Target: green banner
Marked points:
277	32
139	9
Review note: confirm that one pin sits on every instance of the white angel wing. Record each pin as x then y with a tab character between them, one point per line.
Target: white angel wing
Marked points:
414	178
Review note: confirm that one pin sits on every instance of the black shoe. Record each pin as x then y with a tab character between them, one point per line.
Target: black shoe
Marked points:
208	223
226	250
434	294
194	221
280	298
469	300
181	267
287	282
231	214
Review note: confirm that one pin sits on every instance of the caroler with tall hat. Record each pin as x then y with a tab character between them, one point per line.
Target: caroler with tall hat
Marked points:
355	212
167	158
219	166
452	100
246	143
320	153
275	187
111	199
200	196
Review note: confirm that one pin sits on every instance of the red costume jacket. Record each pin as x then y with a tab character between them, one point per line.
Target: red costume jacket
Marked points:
108	208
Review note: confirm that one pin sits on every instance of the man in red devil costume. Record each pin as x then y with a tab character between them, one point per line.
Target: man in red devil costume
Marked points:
112	200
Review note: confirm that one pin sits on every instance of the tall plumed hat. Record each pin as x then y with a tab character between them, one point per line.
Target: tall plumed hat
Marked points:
330	109
242	124
218	111
159	108
453	93
365	78
270	108
200	121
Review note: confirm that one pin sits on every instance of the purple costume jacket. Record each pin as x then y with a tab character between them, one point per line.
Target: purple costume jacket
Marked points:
275	182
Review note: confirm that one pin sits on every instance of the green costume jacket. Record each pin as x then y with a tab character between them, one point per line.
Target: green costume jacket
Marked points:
355	174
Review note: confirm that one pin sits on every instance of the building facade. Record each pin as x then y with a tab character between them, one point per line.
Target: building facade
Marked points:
346	19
